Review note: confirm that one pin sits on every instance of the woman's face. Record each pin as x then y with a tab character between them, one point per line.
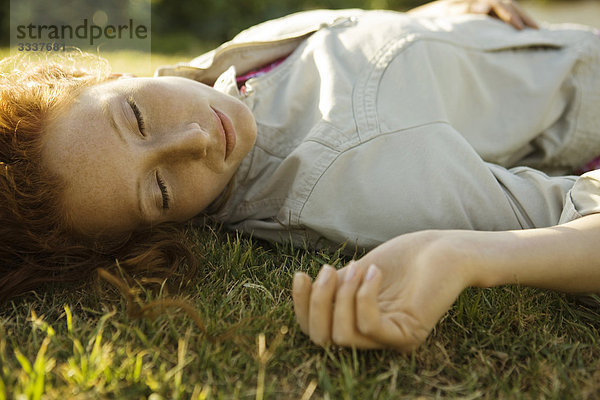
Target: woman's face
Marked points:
137	152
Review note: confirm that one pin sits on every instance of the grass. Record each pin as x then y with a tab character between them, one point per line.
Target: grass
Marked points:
502	343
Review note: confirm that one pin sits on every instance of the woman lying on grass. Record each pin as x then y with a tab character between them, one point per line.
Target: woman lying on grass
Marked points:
420	131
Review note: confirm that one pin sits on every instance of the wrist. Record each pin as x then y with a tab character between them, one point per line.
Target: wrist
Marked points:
476	257
457	253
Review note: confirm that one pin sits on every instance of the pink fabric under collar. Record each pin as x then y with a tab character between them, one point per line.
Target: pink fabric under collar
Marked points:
241	80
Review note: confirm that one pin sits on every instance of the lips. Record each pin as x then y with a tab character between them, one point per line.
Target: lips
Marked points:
225	126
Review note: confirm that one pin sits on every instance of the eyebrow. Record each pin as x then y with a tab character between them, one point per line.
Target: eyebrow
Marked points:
109	115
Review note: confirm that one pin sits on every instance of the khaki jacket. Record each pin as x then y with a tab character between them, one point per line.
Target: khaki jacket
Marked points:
380	123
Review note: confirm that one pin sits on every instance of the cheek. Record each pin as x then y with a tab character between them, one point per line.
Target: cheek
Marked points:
97	212
195	191
245	126
96	204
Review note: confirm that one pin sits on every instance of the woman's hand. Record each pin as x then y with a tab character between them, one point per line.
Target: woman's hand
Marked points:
392	297
505	10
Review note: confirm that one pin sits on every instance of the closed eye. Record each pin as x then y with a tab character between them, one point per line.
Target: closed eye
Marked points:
163	190
138	115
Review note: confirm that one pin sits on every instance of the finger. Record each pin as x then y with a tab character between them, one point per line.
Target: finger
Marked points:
508	14
321	306
403	332
529	21
344	331
525	17
479	8
368	315
341	273
301	289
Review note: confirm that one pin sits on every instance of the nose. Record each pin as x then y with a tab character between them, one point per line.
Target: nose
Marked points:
187	142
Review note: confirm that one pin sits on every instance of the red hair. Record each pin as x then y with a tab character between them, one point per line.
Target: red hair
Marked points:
36	245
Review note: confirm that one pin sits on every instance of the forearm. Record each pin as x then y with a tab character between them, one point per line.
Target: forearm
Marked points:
563	257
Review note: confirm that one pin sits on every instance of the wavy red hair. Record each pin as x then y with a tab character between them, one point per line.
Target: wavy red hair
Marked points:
35	243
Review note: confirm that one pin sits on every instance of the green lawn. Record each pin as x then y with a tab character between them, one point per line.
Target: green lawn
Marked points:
507	342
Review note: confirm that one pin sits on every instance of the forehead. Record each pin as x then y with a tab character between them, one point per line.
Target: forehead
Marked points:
77	130
80	146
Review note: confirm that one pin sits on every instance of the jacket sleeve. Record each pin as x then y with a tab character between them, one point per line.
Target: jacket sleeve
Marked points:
583	198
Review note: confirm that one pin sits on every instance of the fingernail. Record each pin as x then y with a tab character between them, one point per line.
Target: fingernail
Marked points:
351	272
324	275
371	272
298	281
